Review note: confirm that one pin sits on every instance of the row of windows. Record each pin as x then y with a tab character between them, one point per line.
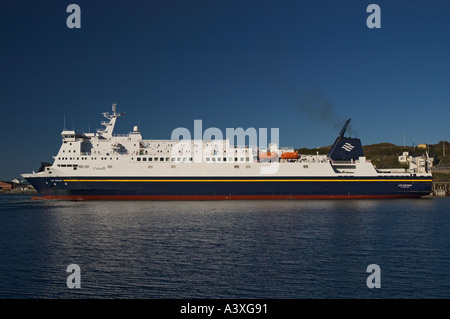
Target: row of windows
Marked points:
142	152
85	158
161	159
154	159
75	166
174	166
189	159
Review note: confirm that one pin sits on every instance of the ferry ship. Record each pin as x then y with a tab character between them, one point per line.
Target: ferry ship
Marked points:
107	166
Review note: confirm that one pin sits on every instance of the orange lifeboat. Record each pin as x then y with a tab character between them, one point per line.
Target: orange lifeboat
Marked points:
290	155
268	155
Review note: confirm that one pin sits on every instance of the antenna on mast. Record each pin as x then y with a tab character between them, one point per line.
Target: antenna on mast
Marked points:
114	108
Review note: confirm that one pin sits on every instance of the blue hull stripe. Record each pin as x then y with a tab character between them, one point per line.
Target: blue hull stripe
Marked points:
233	186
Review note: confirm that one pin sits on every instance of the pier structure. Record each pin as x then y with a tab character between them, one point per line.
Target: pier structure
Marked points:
441	188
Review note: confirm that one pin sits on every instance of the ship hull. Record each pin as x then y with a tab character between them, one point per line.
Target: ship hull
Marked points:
229	188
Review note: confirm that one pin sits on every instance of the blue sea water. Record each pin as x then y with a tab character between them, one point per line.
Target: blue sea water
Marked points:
227	249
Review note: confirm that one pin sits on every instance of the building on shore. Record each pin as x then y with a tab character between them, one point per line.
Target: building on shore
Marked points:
16	186
422	146
6	186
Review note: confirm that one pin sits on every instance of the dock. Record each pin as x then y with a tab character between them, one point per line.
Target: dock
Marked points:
441	189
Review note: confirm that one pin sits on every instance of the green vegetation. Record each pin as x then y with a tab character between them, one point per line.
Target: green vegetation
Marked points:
385	155
444	161
441	176
313	151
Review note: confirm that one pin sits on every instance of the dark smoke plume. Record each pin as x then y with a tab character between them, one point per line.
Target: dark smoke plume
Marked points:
312	103
317	108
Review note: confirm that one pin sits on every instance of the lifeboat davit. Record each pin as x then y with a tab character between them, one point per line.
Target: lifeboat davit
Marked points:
268	155
290	155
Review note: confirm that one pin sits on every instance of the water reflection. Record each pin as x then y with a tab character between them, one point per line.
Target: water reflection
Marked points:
230	249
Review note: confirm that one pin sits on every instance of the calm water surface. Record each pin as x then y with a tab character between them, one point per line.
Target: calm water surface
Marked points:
229	249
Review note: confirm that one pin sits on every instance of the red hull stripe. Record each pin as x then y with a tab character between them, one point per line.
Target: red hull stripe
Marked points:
214	197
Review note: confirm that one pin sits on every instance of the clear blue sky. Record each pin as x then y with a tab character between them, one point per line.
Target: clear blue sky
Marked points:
300	66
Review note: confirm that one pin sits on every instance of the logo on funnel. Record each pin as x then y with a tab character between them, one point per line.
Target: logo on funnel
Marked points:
348	147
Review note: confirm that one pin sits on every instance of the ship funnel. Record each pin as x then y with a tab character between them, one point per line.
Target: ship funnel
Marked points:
346	148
